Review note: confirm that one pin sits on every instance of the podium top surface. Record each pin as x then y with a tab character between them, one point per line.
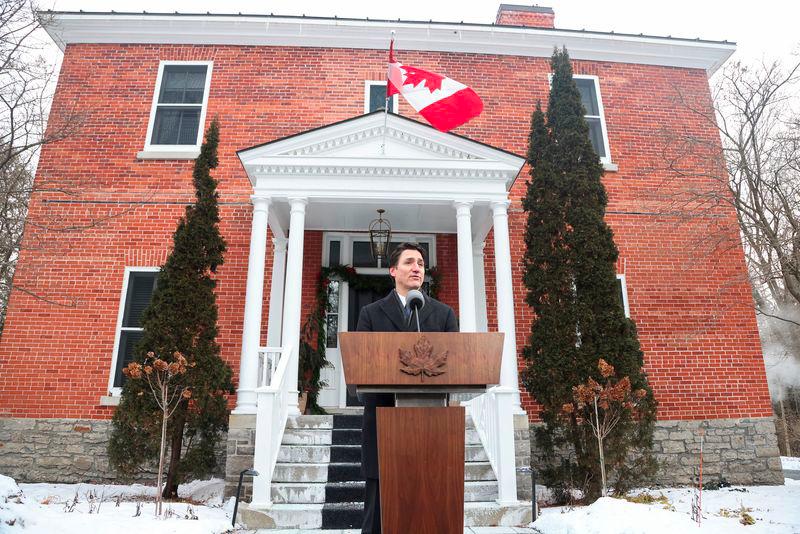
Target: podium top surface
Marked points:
427	359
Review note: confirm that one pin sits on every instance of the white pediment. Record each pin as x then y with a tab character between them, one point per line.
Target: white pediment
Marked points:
381	142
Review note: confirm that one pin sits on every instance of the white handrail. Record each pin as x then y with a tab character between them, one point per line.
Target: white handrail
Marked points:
493	416
271	415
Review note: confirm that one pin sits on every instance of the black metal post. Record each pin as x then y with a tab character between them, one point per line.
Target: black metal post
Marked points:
251	472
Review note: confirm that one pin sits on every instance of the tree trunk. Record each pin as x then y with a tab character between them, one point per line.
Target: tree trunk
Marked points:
164	412
176	444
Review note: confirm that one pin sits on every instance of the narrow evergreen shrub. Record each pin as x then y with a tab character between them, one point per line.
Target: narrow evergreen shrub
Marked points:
570	276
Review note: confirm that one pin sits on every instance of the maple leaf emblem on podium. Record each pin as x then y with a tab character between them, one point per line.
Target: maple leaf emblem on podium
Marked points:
421	361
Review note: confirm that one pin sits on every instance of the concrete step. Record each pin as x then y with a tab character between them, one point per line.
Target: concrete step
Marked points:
342	515
300	472
307	436
478	471
310	516
345	453
317	422
310	454
346	436
348	421
353	491
475	453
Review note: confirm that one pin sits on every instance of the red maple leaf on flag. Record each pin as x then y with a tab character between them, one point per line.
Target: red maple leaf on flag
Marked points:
415	76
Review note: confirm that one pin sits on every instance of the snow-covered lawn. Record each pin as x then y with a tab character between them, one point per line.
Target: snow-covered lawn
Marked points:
42	509
775	510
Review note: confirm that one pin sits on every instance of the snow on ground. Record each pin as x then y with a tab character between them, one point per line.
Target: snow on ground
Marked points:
791	463
774	508
42	509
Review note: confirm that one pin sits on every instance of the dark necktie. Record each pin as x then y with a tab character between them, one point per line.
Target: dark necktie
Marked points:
407	314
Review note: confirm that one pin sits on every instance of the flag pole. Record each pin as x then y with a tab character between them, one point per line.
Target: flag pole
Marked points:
386	103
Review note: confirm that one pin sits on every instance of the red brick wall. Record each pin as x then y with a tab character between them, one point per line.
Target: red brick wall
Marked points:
693	310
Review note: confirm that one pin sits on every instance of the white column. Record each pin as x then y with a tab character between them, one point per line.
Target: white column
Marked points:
293	295
251	329
275	322
481	321
466	278
505	298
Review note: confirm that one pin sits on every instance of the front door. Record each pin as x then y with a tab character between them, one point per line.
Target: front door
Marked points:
346	302
358	299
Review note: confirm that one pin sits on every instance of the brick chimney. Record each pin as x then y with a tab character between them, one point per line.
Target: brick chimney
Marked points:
531	16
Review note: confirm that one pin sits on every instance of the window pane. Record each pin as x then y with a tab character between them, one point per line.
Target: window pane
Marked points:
127	342
140	290
588	96
182	84
333	296
596	135
176	126
377	98
333	328
362	256
335	254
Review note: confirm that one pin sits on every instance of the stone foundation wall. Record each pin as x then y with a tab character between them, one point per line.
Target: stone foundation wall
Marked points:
63	450
240	451
55	450
741	451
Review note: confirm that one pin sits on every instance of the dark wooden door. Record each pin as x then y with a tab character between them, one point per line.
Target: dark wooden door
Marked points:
358	298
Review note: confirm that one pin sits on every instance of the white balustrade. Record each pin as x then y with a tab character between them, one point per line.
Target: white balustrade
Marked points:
273	403
493	416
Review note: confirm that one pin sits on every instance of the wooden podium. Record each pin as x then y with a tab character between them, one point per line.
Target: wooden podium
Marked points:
421	441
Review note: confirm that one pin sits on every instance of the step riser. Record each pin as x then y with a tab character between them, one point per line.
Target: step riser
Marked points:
306	437
342	518
304	454
348	492
301	473
345	454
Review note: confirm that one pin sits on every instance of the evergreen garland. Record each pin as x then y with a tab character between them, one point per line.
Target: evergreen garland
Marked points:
570	274
182	317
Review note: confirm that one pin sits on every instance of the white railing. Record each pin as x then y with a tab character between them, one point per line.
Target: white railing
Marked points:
493	416
272	396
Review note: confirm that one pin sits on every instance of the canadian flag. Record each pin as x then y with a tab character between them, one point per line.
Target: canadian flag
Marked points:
443	102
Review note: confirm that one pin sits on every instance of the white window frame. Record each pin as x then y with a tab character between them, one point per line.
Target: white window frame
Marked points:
346	249
606	160
176	151
116	391
368	84
623	283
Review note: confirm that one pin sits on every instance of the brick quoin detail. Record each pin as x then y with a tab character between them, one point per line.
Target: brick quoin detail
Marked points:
693	310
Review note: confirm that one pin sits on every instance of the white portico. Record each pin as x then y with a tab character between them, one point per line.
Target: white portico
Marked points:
333	179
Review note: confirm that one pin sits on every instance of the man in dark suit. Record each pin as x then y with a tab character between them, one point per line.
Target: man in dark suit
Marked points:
390	314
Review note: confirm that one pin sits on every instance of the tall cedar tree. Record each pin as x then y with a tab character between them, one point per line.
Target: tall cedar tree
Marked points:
570	276
182	317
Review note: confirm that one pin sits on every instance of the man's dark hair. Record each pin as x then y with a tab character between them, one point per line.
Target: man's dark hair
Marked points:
394	257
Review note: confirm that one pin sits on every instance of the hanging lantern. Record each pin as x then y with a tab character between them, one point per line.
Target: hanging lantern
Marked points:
380	234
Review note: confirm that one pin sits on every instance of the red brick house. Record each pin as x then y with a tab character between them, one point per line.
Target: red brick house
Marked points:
301	174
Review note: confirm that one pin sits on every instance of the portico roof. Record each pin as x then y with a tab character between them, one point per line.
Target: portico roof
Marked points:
348	169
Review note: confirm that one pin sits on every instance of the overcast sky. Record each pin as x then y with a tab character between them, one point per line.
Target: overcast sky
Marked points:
767	28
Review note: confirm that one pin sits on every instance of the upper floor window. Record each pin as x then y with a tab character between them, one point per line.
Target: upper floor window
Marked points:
137	291
589	87
179	105
375	97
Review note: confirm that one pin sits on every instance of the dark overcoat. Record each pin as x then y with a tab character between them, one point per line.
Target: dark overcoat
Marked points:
386	315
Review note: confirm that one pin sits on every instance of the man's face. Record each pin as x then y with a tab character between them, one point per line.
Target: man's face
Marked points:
409	273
